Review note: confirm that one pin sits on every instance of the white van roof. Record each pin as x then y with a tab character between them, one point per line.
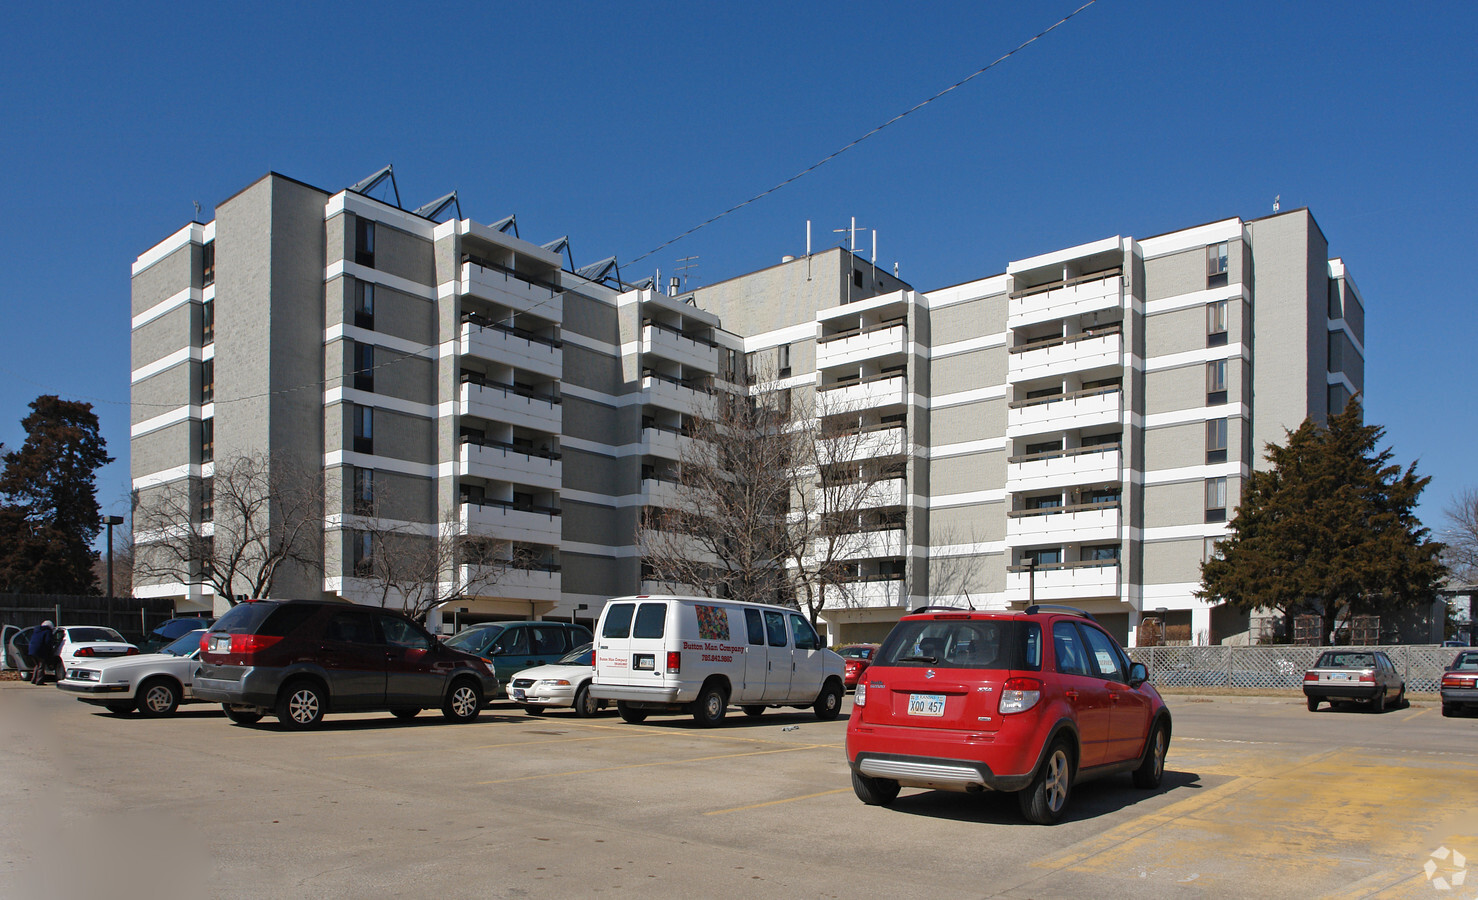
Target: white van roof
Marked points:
685	598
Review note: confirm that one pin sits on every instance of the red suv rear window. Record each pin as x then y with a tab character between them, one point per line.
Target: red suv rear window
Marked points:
956	643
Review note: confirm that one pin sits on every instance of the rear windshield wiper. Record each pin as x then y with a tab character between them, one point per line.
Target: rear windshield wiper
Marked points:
923	659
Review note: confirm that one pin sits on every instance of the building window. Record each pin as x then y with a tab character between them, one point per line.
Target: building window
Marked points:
1209	550
364	429
208	263
207	440
1216	265
1216	499
207	382
1105	553
1216	441
857	277
364	305
363	499
1100	495
1216	382
207	499
207	322
782	402
364	242
783	360
361	550
364	367
1042	557
1216	324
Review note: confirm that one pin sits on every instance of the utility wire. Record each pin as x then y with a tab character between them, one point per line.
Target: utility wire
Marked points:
911	110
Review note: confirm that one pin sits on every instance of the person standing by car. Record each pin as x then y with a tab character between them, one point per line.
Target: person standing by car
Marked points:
42	651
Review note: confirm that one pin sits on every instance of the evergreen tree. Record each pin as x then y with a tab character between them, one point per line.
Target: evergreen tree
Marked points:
1330	528
48	501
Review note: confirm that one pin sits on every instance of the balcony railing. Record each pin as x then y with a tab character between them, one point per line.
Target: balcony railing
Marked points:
1059	510
865	329
1063	454
516	390
1100	275
870	379
484	322
550	511
511	273
648	323
1088	334
1064	566
1058	398
510	448
700	387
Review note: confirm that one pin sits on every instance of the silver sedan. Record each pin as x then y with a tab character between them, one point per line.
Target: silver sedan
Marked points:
1346	676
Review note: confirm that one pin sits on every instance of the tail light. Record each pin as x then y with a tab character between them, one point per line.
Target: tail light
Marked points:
674	662
1019	695
251	643
205	642
1367	677
1459	681
1311	676
860	698
131	651
85	651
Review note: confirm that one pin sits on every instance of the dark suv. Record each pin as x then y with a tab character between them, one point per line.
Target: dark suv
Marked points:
299	659
1031	702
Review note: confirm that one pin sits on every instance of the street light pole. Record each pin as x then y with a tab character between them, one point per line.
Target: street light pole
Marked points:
110	521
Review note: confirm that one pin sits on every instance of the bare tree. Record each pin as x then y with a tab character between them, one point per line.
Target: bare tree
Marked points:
417	570
1461	552
233	531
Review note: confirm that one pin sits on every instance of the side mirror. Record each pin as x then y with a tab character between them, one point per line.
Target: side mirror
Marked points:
1138	674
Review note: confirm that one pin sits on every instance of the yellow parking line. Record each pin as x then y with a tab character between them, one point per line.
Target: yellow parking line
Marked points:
719	812
669	762
1420	712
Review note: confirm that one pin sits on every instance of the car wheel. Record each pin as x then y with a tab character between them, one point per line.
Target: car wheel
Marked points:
1045	799
301	704
1401	701
829	704
710	707
874	791
119	708
1314	704
463	701
242	716
159	697
630	713
405	714
1150	771
585	705
754	712
1378	702
1449	709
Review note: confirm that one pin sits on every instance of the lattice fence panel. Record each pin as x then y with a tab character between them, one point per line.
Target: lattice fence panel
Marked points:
1279	667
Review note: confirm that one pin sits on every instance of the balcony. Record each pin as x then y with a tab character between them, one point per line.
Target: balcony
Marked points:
878	591
1082	522
1062	412
880	494
498	284
1071	297
675	394
868	393
496	461
666	442
1063	468
873	442
1054	582
511	405
506	345
881	543
540	583
671	344
853	347
505	521
661	492
1094	349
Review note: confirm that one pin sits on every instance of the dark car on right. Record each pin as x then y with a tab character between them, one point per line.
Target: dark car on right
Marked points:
299	659
1460	683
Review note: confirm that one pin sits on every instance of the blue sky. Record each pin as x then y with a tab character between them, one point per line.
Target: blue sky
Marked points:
623	125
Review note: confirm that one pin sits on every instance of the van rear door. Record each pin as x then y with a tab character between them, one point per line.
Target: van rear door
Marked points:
632	647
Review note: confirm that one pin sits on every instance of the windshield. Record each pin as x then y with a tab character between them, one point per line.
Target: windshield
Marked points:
473	640
185	645
87	635
580	656
1467	662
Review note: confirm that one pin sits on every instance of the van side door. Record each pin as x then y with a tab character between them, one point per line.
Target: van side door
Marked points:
777	662
806	663
756	657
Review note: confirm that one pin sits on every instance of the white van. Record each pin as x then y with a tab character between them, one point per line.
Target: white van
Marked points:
697	655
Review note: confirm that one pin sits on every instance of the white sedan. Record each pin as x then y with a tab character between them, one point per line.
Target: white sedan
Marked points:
85	644
562	683
153	683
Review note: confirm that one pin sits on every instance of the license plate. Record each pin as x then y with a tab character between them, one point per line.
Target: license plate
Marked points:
645	661
1339	676
926	705
221	644
518	693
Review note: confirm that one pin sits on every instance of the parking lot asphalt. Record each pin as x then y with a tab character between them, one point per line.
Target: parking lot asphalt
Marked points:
1261	798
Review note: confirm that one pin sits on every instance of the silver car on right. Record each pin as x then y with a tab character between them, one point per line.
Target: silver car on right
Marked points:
1460	683
1354	676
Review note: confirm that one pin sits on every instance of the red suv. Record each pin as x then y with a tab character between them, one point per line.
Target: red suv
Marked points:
1031	702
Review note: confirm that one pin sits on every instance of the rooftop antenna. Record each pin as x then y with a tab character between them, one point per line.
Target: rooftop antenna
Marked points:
197	210
684	266
852	241
1276	198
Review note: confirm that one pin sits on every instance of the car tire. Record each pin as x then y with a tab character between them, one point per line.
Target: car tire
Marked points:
241	716
1152	769
1401	701
1314	704
1045	799
829	703
301	705
585	705
709	708
463	701
874	791
753	711
405	713
158	697
630	713
1378	702
1449	709
120	708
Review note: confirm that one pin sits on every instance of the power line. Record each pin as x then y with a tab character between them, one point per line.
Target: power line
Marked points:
824	160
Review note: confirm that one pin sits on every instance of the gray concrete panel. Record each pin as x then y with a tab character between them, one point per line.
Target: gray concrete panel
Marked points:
402	254
967	371
1178	446
1174	562
167	334
174	273
978	421
977	523
600	423
164	448
1175	332
590	317
158	394
598	474
597	371
984	471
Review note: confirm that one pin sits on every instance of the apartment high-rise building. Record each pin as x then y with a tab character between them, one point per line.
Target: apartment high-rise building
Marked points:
1075	429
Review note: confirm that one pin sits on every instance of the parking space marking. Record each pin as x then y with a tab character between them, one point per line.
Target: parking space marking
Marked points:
505	744
666	762
719	812
1421	712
